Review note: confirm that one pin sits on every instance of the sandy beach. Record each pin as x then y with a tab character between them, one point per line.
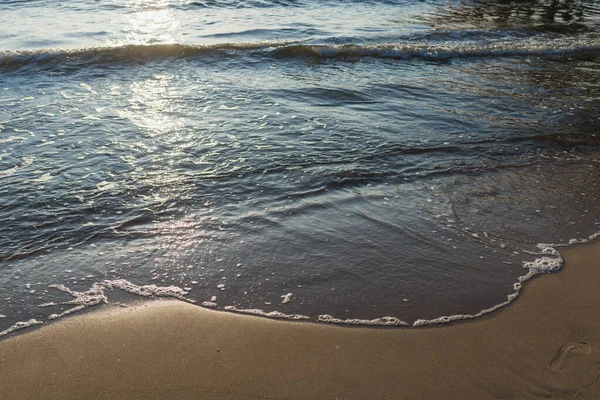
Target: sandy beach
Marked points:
544	345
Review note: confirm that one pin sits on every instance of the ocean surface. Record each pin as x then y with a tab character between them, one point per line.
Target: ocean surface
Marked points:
382	162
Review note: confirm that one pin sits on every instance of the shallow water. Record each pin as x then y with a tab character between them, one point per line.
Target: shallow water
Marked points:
383	158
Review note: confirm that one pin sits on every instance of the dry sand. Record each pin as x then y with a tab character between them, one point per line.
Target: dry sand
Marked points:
544	345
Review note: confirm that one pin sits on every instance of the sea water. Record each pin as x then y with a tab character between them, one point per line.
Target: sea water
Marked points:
384	162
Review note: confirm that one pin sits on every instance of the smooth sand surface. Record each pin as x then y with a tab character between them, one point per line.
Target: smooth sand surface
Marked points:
544	345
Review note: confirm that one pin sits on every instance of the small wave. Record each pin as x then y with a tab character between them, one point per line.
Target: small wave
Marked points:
236	4
445	51
300	49
259	4
130	52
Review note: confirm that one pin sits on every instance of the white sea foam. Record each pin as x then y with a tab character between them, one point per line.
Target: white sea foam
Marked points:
97	294
26	162
20	325
457	317
286	298
91	297
104	185
147	290
383	321
44	178
11	139
544	265
272	314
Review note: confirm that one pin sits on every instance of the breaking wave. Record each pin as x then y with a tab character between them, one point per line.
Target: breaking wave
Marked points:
403	50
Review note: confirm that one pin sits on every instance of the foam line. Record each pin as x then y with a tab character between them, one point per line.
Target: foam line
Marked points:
19	326
272	314
147	290
383	321
458	317
97	294
94	296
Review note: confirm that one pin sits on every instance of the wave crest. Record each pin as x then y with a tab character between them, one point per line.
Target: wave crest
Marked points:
301	49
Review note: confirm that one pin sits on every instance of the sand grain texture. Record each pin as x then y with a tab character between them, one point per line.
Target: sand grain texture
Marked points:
545	345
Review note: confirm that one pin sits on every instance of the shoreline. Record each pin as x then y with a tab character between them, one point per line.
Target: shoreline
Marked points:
541	345
96	296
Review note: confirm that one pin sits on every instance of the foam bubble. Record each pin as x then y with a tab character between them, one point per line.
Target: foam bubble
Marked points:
382	321
544	265
286	298
210	304
272	314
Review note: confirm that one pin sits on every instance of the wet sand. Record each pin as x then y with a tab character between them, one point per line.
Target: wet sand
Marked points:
544	345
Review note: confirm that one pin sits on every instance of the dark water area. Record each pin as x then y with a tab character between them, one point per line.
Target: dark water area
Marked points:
349	159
